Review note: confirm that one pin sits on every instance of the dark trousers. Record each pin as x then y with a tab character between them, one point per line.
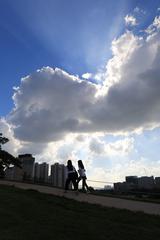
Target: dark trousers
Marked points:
71	180
84	184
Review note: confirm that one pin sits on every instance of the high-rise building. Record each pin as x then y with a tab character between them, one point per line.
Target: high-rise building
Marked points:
58	175
27	165
132	179
146	182
14	173
44	167
61	175
41	172
54	174
37	172
18	173
157	182
123	186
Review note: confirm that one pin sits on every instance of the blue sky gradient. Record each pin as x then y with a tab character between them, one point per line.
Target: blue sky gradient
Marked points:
75	36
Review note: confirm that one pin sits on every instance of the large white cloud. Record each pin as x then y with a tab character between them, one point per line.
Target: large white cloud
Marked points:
13	145
117	148
51	104
58	116
131	90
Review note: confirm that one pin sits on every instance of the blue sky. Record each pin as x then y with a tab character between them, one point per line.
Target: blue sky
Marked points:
73	35
100	38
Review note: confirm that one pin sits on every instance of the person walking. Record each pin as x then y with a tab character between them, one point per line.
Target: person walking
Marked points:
72	176
82	176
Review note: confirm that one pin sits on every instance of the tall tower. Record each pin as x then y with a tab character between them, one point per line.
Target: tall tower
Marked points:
44	167
58	175
28	166
54	174
37	172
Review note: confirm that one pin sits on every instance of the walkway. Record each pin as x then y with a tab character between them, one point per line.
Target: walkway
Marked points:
149	208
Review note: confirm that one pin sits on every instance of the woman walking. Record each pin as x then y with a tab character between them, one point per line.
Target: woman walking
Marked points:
82	176
71	176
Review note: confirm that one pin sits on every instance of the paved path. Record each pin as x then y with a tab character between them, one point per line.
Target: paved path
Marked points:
150	208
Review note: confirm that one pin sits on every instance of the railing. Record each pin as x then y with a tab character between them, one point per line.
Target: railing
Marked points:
97	184
88	180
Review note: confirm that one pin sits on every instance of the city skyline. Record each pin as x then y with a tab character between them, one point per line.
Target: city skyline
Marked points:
55	175
34	172
80	80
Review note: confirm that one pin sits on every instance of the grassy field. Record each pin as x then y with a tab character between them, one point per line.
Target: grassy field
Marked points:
29	215
142	198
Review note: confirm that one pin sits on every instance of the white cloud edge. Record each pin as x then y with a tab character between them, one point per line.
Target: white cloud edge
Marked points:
130	20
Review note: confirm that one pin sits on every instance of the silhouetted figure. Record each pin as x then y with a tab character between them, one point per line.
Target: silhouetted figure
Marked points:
71	175
82	176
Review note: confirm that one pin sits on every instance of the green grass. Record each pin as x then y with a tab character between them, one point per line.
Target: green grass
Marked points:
30	215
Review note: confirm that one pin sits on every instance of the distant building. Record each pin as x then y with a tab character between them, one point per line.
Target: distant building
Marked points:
61	175
132	179
54	174
14	173
18	174
41	172
27	165
157	182
146	183
58	175
37	172
108	187
44	167
123	186
9	173
136	183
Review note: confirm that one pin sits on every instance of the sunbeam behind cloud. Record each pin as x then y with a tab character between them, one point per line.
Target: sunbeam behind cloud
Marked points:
101	116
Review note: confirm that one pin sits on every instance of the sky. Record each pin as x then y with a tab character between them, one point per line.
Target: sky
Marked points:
81	80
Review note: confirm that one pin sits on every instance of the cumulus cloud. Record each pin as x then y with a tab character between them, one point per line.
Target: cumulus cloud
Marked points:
87	75
50	103
154	27
130	20
117	148
13	145
132	83
120	147
59	116
97	146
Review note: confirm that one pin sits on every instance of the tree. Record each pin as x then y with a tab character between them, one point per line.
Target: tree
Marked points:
6	159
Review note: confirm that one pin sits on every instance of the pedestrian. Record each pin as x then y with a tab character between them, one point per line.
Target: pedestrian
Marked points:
72	176
82	176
